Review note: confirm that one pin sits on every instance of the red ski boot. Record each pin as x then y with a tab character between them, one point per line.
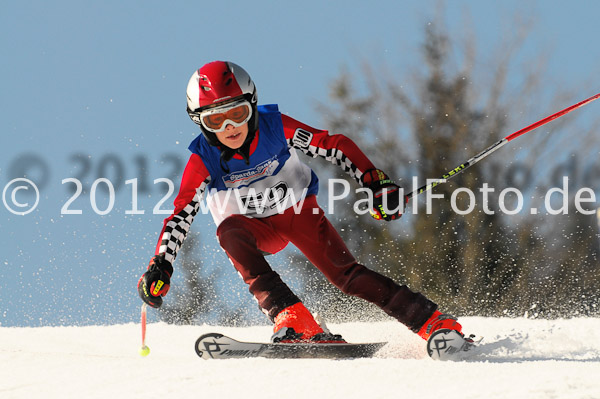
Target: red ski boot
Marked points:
296	324
438	321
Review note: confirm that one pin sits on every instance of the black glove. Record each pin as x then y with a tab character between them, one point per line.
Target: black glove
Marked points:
155	283
383	187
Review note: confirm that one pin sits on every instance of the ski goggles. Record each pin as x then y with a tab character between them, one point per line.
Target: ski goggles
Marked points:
216	119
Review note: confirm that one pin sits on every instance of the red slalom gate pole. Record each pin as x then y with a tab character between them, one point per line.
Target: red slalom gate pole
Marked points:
472	161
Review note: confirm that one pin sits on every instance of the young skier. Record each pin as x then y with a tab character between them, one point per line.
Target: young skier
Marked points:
262	197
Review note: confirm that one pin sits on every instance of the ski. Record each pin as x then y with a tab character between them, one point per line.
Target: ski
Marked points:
447	344
219	346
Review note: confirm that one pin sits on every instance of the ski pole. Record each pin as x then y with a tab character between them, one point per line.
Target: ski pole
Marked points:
144	350
472	161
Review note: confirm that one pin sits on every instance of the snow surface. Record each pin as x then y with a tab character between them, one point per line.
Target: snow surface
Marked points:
519	358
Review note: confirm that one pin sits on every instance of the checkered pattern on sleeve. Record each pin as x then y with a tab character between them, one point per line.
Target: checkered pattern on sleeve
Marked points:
176	229
332	155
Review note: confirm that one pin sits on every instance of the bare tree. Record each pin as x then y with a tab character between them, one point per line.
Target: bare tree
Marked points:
427	124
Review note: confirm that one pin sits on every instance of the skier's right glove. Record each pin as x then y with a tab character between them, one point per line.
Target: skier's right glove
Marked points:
154	284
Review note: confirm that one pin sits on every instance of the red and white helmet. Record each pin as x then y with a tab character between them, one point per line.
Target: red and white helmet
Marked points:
220	82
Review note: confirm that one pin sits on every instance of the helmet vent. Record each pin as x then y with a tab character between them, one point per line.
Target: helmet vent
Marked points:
228	82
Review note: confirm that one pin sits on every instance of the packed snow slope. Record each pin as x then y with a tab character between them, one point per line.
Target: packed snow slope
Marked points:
518	358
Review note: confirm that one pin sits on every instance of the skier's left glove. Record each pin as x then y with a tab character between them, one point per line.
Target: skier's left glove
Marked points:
155	283
383	188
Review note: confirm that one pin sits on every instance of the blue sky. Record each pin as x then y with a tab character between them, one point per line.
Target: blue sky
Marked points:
94	86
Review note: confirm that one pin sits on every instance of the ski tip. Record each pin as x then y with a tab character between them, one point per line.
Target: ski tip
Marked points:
448	344
207	344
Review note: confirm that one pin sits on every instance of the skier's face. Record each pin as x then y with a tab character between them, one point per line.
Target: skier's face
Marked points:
233	137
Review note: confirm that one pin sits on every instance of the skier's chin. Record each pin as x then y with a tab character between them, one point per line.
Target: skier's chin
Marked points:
234	141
